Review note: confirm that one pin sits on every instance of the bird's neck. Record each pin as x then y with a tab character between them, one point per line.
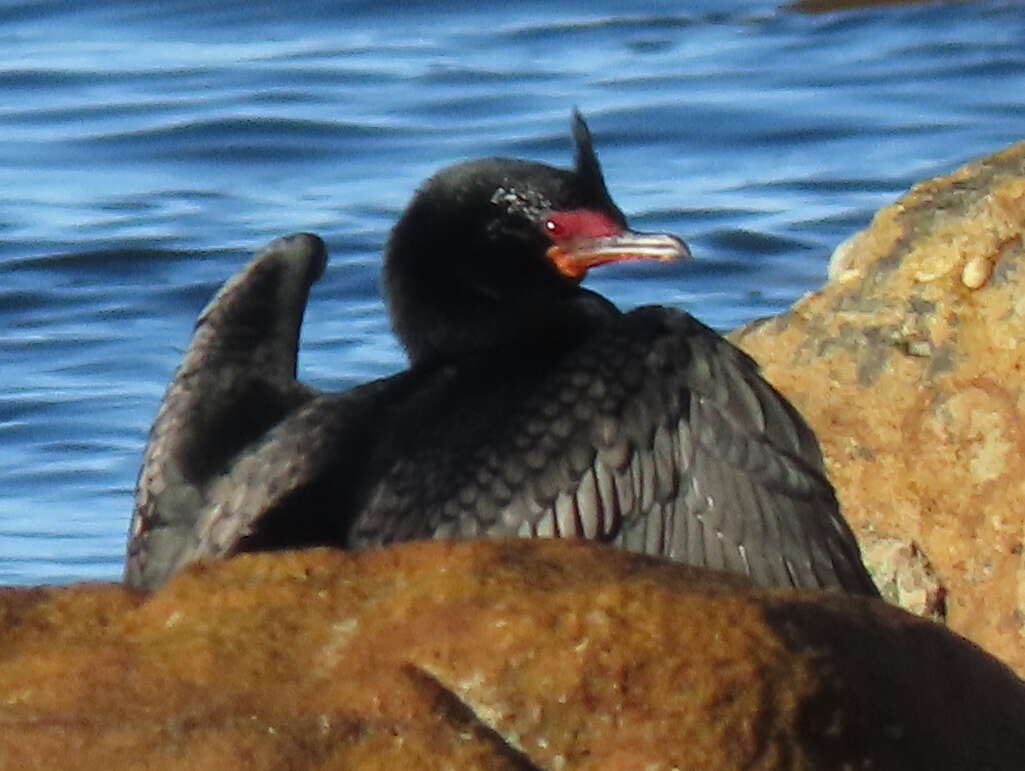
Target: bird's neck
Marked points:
447	327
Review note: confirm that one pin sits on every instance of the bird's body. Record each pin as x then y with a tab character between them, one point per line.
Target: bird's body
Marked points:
532	406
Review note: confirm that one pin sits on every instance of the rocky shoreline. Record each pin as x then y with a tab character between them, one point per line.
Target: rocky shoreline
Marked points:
909	365
552	654
513	654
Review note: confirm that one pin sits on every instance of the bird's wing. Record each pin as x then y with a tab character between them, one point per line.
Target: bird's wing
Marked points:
235	382
658	435
300	485
751	495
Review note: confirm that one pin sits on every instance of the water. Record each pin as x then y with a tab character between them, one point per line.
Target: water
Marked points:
147	148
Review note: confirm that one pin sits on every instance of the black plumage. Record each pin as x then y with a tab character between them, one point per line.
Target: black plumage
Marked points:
532	406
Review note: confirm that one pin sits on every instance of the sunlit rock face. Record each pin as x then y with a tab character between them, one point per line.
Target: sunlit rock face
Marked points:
523	654
909	364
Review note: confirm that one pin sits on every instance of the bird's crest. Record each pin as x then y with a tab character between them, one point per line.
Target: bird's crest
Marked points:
587	167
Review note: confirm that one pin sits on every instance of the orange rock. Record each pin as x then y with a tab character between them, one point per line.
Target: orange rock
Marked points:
909	366
491	655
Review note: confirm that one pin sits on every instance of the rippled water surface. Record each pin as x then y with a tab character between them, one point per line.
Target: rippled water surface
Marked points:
146	148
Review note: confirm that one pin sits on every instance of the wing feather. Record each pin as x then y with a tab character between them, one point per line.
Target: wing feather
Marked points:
662	437
236	380
657	435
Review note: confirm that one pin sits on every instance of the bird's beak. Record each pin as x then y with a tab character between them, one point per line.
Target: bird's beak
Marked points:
573	257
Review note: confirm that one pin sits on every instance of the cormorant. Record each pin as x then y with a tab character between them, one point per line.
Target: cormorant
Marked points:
531	406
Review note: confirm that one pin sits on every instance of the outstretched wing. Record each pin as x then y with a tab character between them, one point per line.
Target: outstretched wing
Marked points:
236	381
656	434
300	484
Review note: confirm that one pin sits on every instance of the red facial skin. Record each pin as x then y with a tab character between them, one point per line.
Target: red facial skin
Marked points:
569	230
583	238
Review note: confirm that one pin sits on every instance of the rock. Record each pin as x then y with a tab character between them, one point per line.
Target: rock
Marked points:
909	366
905	577
492	655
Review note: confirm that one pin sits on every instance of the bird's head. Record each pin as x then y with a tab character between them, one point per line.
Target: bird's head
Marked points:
492	246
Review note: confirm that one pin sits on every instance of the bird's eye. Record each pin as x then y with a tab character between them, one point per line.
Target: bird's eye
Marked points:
579	223
554	227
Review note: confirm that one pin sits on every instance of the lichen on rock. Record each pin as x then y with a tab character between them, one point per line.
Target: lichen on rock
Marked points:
521	654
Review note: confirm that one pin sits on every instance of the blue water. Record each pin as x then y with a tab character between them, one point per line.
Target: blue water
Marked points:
147	147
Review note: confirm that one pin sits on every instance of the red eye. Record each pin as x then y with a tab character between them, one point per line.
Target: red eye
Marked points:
554	228
579	223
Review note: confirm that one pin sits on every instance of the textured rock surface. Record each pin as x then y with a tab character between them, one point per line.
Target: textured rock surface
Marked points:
909	365
498	655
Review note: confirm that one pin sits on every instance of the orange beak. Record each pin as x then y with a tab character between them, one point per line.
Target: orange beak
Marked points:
573	257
